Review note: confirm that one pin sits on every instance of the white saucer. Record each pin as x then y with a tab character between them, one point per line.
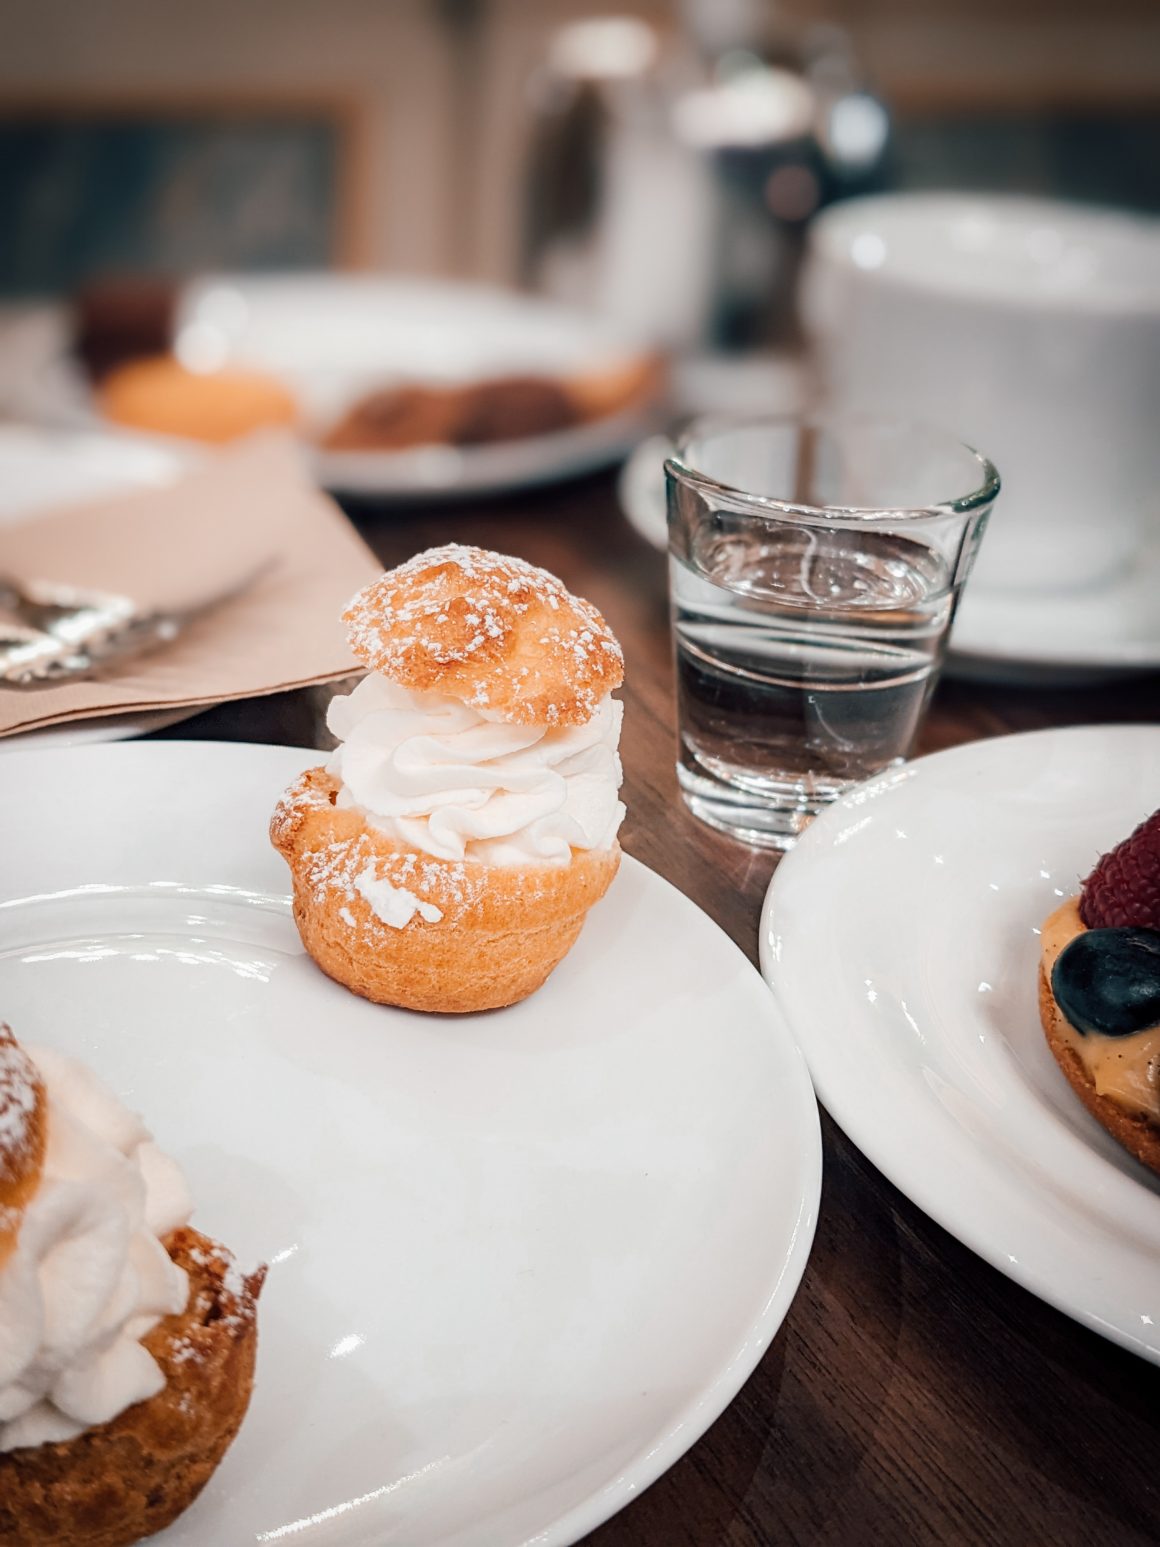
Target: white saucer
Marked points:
519	1262
1058	639
901	938
1065	637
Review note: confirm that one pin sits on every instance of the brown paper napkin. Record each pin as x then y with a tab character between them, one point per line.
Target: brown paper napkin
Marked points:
171	547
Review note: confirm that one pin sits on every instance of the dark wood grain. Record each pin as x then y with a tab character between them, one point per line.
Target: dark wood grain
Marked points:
913	1393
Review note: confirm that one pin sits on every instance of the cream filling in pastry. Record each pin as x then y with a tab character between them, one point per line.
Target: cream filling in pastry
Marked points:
448	780
1125	1068
89	1276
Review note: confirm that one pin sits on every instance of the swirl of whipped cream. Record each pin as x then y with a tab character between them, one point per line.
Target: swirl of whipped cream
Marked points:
89	1276
454	782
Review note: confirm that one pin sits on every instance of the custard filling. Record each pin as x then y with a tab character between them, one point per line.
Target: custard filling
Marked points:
1127	1069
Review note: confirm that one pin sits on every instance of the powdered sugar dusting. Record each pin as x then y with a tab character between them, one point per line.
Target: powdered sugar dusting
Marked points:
396	906
183	1351
235	1301
302	797
19	1089
349	867
345	869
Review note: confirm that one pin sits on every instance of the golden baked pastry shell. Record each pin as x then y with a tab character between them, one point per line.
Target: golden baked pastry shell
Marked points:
1138	1134
129	1478
500	930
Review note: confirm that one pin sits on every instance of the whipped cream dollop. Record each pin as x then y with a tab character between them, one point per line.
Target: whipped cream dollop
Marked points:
89	1276
457	783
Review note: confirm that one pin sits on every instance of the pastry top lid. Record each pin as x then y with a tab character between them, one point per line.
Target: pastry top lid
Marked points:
495	632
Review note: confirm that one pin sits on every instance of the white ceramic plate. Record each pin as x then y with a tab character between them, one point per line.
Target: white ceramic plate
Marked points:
41	469
334	337
901	937
1062	637
91	733
519	1261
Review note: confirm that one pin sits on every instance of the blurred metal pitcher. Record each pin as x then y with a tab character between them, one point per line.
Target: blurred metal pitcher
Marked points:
608	189
669	183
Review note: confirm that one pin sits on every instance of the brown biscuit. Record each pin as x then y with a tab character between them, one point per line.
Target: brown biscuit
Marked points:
397	419
493	411
512	408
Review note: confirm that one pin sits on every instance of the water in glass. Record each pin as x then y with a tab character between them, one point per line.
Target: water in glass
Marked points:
804	662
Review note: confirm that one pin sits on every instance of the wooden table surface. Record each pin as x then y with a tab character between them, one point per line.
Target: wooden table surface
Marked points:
913	1394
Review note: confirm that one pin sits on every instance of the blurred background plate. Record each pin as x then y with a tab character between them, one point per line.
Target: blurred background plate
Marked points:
333	338
432	472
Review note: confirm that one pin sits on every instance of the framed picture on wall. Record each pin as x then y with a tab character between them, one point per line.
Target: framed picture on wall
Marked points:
103	185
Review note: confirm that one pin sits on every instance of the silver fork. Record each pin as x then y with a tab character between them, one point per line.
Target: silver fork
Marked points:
59	633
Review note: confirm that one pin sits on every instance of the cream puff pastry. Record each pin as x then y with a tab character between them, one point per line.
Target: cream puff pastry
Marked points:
127	1339
446	855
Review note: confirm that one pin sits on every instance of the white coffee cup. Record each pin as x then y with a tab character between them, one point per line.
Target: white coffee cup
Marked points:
1029	328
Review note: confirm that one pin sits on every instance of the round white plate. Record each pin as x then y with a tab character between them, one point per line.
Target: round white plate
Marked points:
901	938
91	733
518	1261
41	469
1062	637
333	338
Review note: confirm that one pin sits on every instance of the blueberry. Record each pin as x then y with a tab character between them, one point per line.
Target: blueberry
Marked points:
1108	981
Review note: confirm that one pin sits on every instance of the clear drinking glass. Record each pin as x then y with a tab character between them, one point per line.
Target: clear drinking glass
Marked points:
814	570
